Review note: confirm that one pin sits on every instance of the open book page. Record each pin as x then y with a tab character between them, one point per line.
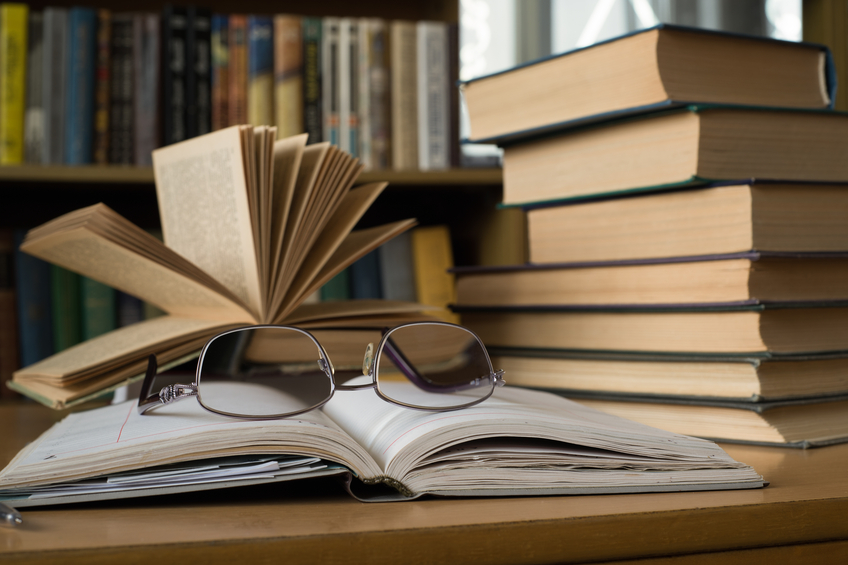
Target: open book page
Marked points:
525	439
131	342
204	210
289	162
116	438
174	291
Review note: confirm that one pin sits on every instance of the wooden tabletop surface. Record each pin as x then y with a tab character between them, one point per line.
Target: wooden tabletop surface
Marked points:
801	515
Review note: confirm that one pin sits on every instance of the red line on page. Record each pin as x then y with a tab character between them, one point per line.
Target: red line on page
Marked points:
129	412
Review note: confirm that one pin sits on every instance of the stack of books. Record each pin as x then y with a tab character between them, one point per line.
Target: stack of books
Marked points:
686	232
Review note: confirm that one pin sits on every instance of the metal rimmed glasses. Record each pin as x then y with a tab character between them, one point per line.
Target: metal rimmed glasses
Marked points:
269	372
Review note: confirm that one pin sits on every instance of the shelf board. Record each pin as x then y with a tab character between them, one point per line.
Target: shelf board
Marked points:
144	175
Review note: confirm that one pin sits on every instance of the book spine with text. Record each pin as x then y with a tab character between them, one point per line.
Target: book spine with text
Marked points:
404	99
346	78
102	85
365	280
238	70
173	74
288	75
260	70
198	71
79	108
453	98
54	72
330	75
34	112
433	96
121	91
313	120
146	81
220	71
14	25
379	114
363	94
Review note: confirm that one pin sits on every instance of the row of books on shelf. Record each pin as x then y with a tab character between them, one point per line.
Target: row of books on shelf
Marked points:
660	287
95	86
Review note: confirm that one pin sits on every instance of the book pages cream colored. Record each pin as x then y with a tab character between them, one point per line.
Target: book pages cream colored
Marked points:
356	245
309	314
291	159
203	205
90	254
119	345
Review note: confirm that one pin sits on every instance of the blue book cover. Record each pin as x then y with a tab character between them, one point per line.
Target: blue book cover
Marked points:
79	109
365	277
32	278
260	70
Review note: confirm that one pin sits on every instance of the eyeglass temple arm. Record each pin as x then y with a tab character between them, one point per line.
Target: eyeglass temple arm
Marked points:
168	394
408	369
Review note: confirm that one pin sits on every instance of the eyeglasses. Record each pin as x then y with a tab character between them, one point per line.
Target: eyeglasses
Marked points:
268	372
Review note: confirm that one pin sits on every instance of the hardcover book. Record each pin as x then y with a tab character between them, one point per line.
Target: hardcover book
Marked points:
260	70
288	75
198	71
13	64
517	443
655	68
174	73
79	105
54	76
147	81
245	243
122	92
34	116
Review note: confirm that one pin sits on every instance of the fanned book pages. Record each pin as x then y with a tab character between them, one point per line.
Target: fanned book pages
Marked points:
252	226
519	442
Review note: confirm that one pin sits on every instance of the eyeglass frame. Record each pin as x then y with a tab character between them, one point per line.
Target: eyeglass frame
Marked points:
172	393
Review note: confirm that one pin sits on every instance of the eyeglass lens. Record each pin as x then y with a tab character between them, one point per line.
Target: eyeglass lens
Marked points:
262	372
447	364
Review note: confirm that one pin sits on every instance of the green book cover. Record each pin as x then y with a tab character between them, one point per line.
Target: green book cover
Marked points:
98	308
337	288
66	308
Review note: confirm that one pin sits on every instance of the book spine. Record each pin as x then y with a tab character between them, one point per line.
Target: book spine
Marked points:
288	75
13	58
453	98
220	71
54	73
433	96
337	288
404	99
379	90
130	310
433	257
397	272
146	81
34	113
365	277
9	346
313	120
198	73
363	94
260	70
79	110
330	76
121	91
32	281
98	308
102	85
349	87
173	74
238	70
65	308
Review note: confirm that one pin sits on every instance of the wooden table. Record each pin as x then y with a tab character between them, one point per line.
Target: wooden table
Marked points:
802	517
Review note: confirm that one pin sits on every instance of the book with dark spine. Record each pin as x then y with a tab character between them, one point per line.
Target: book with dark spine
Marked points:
102	79
53	78
313	121
121	92
220	71
238	69
34	113
173	74
260	70
198	71
147	42
79	108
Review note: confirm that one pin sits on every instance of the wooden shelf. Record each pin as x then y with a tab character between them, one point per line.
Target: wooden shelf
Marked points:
144	175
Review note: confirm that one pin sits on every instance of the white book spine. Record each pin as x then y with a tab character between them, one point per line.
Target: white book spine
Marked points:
433	96
363	94
329	77
344	83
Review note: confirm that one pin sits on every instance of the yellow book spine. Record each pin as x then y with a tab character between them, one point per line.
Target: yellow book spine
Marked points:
13	51
432	258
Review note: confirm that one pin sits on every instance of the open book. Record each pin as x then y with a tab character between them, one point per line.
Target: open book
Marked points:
519	442
252	226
